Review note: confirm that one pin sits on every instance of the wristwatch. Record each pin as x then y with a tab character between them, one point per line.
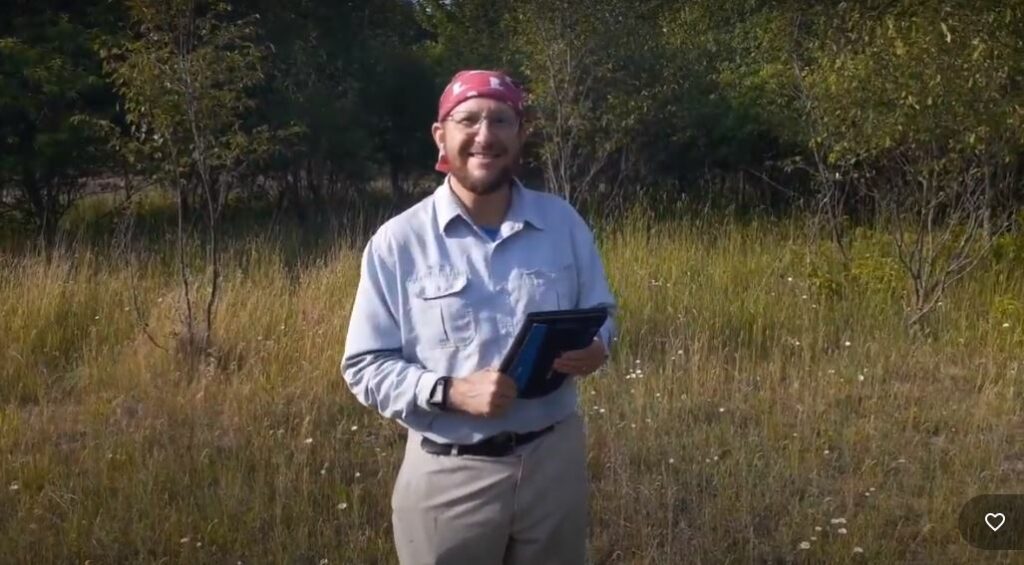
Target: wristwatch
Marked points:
439	394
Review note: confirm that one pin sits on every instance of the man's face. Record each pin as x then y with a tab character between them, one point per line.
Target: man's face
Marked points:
482	139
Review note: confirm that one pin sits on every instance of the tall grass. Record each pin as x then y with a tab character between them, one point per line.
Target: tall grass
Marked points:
758	398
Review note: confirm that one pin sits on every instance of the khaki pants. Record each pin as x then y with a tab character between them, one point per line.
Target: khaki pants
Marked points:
527	508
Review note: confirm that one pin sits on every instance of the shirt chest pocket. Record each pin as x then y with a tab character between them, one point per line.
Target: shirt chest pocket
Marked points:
545	289
441	313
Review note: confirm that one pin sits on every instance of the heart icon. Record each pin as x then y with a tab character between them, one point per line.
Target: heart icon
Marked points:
995	521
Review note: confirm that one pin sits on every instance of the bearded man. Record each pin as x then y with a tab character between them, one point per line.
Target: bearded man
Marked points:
487	478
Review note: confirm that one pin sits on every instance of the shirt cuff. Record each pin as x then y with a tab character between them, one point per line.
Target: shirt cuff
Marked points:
424	387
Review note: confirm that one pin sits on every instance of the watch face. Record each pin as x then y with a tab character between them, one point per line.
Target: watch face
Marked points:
437	393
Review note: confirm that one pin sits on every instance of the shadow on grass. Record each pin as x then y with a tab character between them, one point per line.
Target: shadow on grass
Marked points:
102	223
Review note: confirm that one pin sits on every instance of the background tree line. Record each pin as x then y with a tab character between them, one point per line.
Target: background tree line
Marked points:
752	103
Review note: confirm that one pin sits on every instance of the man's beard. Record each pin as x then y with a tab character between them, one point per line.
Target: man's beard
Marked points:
487	185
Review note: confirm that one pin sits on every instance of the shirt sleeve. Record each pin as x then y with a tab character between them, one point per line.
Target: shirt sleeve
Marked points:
373	365
594	290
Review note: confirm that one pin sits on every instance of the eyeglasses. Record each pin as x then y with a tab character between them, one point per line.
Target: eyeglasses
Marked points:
470	121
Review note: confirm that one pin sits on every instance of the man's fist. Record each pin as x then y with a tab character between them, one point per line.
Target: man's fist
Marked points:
484	393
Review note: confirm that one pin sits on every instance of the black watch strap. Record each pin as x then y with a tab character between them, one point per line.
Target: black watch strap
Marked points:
439	394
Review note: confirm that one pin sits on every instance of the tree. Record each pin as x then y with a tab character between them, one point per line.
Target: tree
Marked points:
55	109
930	128
594	82
185	77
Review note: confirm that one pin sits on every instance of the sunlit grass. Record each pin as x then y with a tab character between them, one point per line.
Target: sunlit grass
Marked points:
754	407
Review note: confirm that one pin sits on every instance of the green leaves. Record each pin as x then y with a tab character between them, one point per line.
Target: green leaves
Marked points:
53	109
186	78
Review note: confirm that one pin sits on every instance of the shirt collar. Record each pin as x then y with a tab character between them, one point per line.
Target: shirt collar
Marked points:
522	210
446	206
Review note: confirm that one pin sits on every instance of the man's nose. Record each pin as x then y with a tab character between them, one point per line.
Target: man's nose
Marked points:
484	129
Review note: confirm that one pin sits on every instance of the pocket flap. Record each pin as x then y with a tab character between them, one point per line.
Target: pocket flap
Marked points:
436	284
543	276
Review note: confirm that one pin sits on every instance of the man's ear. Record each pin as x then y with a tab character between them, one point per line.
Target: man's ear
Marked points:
437	132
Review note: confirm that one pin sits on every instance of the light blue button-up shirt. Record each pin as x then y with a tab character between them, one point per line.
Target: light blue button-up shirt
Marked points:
438	297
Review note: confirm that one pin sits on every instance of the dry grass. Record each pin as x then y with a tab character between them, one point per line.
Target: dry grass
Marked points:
755	397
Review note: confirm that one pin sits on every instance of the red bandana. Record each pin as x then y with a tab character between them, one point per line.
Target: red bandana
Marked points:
477	84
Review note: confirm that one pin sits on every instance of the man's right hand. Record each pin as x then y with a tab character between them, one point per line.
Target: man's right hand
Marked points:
484	393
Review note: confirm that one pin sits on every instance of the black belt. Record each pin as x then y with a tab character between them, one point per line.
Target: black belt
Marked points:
498	445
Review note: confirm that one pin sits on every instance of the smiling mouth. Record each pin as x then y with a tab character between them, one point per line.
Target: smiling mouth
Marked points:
483	155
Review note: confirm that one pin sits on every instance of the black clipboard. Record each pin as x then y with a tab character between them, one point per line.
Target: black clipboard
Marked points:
541	338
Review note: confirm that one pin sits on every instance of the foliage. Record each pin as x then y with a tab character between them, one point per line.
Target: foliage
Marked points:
54	107
186	78
352	77
186	81
631	99
594	82
873	268
891	115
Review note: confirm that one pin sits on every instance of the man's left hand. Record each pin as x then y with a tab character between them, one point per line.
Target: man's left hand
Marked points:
582	362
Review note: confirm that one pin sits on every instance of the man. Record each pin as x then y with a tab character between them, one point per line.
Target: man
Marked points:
487	477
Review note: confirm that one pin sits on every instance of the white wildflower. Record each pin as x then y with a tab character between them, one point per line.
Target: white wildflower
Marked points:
805	545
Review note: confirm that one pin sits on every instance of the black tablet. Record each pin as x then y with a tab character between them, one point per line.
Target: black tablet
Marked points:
541	338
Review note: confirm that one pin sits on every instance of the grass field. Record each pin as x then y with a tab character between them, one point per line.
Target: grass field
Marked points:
762	406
